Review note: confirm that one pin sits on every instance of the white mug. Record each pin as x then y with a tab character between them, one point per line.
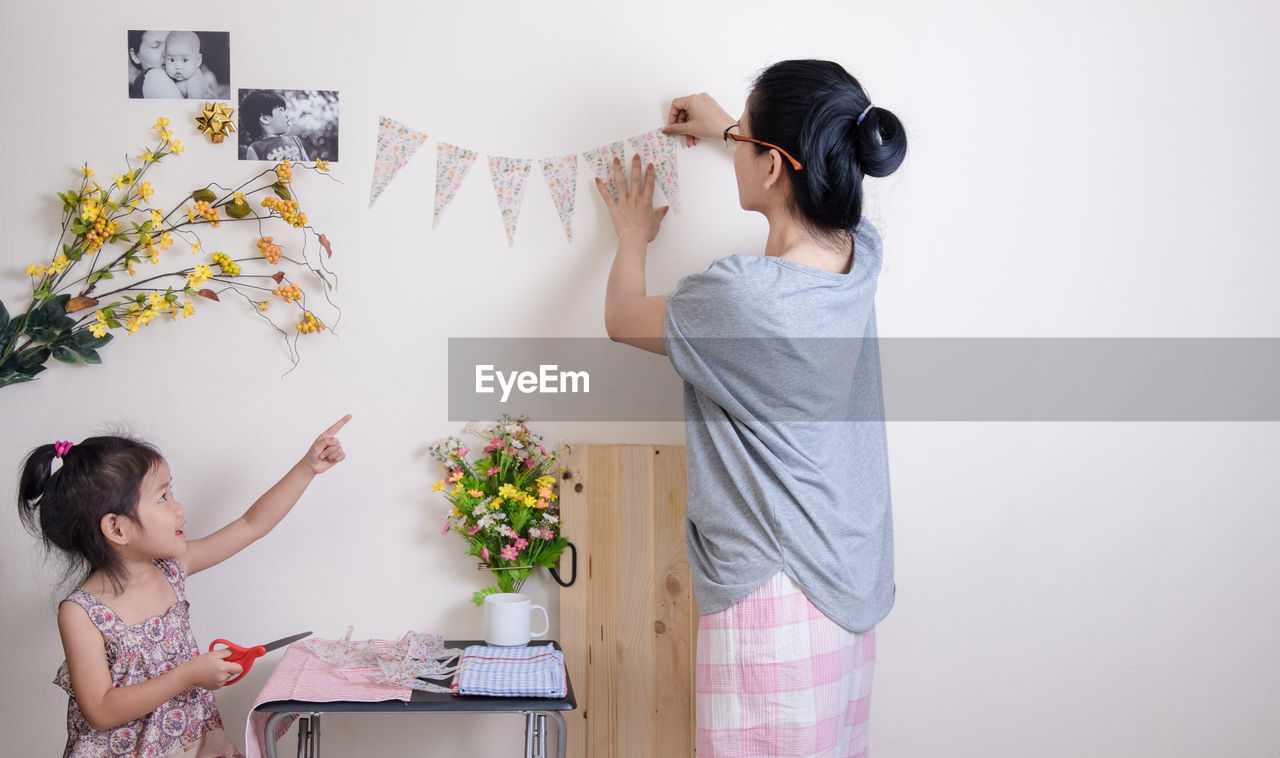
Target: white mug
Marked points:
508	619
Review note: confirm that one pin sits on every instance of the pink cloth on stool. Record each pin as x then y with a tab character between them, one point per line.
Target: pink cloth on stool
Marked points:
300	675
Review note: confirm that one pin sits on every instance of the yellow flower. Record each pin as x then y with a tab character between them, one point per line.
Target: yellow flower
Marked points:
35	269
156	218
322	165
195	246
98	329
145	191
509	491
59	264
262	306
176	146
124	180
456	491
166	240
148	156
191	216
90	210
284	171
87	171
457	511
496	503
158	301
165	134
187	309
529	501
161	123
437	486
199	276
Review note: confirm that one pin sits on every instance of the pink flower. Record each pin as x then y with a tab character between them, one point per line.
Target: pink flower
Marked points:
484	554
473	530
493	471
509	553
542	449
446	528
494	444
522	543
462	451
530	463
547	534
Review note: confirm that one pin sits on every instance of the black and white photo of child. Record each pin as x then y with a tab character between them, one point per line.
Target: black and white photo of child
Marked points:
300	125
177	65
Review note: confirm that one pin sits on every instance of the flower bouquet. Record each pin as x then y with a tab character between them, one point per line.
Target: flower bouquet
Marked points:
112	268
505	502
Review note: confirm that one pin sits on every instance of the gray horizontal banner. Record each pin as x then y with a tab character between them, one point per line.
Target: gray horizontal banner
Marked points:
969	379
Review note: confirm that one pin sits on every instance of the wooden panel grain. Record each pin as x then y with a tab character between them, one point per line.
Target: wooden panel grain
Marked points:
676	618
628	625
634	645
574	527
603	491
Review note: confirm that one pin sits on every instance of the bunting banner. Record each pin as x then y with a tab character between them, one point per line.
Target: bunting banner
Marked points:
509	177
601	162
396	145
660	150
561	173
452	165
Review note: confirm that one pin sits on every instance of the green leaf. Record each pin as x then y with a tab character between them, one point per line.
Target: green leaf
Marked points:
478	597
282	190
204	195
91	356
64	354
237	210
5	327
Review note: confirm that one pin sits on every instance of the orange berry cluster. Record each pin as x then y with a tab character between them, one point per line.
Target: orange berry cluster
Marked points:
309	324
207	211
285	171
289	292
102	230
229	267
269	251
288	210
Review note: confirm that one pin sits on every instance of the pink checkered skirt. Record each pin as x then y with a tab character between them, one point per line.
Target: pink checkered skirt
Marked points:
778	679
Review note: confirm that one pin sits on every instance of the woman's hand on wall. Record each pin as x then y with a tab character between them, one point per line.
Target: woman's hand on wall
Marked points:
633	215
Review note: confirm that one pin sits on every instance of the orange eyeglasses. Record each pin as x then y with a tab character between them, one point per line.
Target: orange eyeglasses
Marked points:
795	164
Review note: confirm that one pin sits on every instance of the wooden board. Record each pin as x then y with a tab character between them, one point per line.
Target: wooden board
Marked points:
629	624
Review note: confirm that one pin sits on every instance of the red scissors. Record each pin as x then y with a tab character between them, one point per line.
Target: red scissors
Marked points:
245	656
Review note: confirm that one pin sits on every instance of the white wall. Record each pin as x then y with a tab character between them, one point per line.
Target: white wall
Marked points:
1076	169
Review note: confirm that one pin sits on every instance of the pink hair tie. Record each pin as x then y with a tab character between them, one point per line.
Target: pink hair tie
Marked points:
61	448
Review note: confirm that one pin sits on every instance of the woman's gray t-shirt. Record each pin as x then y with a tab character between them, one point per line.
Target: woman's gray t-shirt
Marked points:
787	457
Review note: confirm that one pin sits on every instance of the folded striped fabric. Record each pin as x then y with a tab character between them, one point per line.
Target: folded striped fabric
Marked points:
510	672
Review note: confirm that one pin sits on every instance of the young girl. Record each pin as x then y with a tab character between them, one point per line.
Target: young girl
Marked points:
138	683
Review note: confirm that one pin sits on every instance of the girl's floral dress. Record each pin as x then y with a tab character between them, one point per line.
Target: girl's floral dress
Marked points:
188	725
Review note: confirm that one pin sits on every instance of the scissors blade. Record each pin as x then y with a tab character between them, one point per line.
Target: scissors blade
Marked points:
284	641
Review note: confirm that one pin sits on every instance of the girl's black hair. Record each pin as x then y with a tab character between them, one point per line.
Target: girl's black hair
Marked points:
64	508
811	108
255	105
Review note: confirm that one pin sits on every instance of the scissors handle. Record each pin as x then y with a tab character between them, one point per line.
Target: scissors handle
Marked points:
245	656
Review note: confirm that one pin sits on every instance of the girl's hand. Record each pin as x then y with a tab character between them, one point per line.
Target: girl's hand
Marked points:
697	117
211	671
326	451
633	215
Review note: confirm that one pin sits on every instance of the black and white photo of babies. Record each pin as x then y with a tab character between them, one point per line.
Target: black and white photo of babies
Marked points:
300	125
179	65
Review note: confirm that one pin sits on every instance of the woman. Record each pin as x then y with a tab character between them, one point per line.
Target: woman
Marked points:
789	526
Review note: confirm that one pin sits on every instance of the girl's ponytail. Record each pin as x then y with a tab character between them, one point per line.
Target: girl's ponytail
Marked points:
37	469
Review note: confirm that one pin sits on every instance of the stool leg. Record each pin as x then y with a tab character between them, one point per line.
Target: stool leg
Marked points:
315	736
304	737
542	736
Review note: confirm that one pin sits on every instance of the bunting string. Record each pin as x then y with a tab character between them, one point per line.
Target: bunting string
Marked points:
397	144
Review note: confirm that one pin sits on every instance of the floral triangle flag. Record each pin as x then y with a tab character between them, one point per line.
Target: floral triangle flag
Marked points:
660	150
509	178
452	165
561	173
396	145
601	161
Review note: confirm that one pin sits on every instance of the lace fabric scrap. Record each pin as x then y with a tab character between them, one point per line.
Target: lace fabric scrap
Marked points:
408	662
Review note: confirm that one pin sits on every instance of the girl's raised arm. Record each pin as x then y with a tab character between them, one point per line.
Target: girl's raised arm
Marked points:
269	509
